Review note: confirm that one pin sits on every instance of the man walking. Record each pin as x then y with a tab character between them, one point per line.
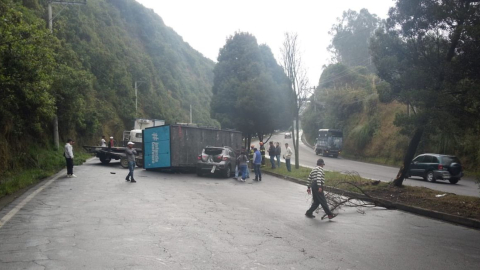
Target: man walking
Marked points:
68	153
271	153
287	156
257	162
317	179
278	152
130	152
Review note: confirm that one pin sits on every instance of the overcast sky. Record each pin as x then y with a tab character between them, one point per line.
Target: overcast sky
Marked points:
205	24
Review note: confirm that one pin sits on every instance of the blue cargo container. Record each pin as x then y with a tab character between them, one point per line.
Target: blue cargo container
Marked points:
178	146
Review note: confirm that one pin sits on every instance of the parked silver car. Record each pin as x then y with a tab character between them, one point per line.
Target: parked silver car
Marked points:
216	159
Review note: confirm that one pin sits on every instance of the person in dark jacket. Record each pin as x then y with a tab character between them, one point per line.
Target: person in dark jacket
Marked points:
317	181
131	153
271	153
278	152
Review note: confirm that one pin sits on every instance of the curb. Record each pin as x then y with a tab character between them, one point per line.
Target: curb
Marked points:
467	222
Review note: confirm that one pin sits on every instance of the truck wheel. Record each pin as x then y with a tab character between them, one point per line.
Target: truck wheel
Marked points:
227	172
124	162
105	160
139	163
430	177
317	152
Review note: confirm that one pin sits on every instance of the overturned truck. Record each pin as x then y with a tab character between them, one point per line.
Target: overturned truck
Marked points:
177	147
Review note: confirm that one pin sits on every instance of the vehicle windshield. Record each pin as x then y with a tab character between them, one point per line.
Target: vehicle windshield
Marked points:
335	142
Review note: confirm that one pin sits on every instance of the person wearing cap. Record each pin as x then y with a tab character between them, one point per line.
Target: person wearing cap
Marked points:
131	153
68	153
317	181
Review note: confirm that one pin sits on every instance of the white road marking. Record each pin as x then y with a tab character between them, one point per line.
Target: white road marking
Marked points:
18	207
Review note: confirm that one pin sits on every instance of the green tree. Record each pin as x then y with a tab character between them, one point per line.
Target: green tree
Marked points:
425	53
26	62
249	89
351	38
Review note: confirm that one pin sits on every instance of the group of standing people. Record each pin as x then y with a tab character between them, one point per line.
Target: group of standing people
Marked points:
255	157
275	152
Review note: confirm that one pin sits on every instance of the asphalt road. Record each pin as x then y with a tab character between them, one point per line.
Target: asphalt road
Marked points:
377	172
180	221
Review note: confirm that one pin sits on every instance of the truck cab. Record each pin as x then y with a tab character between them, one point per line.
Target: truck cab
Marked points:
329	142
135	135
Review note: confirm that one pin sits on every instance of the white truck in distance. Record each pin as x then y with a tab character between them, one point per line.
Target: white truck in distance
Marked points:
135	135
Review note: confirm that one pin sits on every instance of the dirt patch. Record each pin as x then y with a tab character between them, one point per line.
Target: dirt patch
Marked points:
463	206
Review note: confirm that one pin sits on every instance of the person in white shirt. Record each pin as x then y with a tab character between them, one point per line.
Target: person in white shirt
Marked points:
103	142
68	153
287	156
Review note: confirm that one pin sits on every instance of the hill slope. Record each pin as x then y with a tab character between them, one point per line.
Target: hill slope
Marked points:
85	73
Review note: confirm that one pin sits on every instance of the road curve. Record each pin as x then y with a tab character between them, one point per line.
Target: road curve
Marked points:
378	172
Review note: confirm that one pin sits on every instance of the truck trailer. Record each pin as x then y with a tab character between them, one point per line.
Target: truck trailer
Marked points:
177	147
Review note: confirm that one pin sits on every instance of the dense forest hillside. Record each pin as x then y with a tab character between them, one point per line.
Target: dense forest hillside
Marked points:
85	72
354	101
350	102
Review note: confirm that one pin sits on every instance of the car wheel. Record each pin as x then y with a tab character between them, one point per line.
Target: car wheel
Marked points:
454	180
227	172
430	177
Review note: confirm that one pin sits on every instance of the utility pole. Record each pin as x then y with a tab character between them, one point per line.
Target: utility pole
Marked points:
56	140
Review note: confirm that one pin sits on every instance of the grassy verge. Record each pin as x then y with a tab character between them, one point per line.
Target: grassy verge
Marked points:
464	206
41	163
